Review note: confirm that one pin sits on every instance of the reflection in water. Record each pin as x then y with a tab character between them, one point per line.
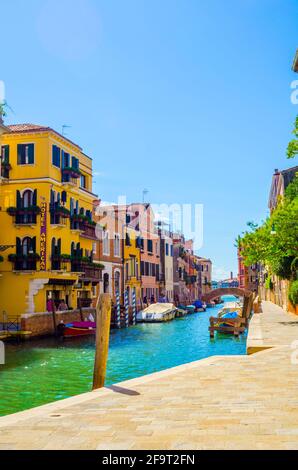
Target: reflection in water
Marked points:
46	370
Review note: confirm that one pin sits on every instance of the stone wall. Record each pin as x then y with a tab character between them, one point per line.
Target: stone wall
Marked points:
278	295
41	324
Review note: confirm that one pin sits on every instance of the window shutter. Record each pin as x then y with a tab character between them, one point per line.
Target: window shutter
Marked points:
31	153
5	153
20	147
34	199
18	246
59	247
53	246
19	200
64	196
52	196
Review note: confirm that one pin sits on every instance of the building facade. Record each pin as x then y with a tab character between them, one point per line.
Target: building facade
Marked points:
109	249
181	293
141	215
206	274
166	284
46	199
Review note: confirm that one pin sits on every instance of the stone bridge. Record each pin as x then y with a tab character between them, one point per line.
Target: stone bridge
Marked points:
213	294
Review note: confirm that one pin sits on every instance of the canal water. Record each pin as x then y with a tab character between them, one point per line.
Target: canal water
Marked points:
46	370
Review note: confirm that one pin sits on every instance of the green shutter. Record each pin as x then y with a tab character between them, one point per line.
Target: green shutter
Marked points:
31	153
18	246
20	147
19	199
34	200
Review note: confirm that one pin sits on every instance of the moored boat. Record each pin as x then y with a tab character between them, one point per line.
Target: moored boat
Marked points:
199	306
180	312
78	328
159	312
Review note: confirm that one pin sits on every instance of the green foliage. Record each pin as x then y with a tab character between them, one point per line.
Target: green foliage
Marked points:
292	149
269	283
276	250
293	292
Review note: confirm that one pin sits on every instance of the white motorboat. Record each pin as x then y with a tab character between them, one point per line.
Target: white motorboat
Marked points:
230	307
159	312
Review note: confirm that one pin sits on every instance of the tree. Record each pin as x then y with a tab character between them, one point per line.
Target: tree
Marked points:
292	149
276	248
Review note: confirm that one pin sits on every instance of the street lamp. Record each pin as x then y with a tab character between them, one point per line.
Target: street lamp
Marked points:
273	231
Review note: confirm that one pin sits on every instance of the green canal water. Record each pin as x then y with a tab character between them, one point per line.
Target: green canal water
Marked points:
46	370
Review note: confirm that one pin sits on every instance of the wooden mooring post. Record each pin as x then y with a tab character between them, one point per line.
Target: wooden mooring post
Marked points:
103	322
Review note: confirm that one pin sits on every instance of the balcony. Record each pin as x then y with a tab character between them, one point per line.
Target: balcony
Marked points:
59	214
24	215
60	262
88	229
70	175
24	262
86	266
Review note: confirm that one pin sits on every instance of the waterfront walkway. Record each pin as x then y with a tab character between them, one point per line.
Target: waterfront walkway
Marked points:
223	402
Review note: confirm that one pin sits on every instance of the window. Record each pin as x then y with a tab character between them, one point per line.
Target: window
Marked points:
117	245
150	246
83	181
65	159
94	245
167	249
56	156
105	244
56	252
117	281
25	154
26	249
75	163
127	240
146	268
5	153
171	250
153	270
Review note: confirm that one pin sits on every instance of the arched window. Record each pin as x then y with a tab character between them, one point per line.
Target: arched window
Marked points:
28	198
56	252
26	246
117	245
106	283
117	281
26	249
106	243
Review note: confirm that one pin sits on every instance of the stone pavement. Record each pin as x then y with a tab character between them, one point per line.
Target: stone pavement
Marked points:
223	402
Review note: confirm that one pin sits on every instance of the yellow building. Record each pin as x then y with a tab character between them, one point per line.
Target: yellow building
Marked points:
46	204
132	263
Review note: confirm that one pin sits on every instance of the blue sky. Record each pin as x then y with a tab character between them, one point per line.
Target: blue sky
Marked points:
188	98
